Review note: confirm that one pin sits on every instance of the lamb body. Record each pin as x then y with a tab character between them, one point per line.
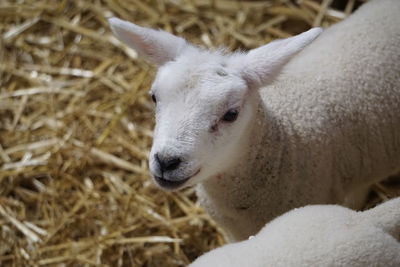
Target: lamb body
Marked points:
320	235
325	130
321	132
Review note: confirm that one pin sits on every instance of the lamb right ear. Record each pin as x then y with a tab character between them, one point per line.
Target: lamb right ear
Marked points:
158	47
261	65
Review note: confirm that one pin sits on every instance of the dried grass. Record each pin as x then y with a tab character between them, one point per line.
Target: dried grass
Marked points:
76	126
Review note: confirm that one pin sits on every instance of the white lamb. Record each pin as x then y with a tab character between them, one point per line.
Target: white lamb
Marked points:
321	235
260	141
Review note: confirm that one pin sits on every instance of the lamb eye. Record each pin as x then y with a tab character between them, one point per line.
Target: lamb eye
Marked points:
231	115
153	97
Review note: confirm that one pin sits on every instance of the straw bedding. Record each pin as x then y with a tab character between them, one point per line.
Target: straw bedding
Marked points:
76	126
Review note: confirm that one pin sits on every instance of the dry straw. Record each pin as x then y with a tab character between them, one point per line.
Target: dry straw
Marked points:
76	126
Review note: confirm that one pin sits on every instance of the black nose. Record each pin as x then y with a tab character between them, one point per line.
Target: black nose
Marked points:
168	164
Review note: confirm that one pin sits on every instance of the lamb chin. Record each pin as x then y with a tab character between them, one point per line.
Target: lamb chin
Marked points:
168	184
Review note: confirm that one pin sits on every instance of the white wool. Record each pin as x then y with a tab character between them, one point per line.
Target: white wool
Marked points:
320	235
325	130
317	125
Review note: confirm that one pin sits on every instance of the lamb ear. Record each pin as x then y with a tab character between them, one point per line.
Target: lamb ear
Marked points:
157	46
261	65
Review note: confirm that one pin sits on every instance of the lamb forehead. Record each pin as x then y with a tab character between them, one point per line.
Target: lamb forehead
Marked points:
194	72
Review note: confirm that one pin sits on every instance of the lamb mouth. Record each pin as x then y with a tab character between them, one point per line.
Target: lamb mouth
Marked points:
171	185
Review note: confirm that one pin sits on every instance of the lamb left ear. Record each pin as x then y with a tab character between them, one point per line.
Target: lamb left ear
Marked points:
158	47
261	65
